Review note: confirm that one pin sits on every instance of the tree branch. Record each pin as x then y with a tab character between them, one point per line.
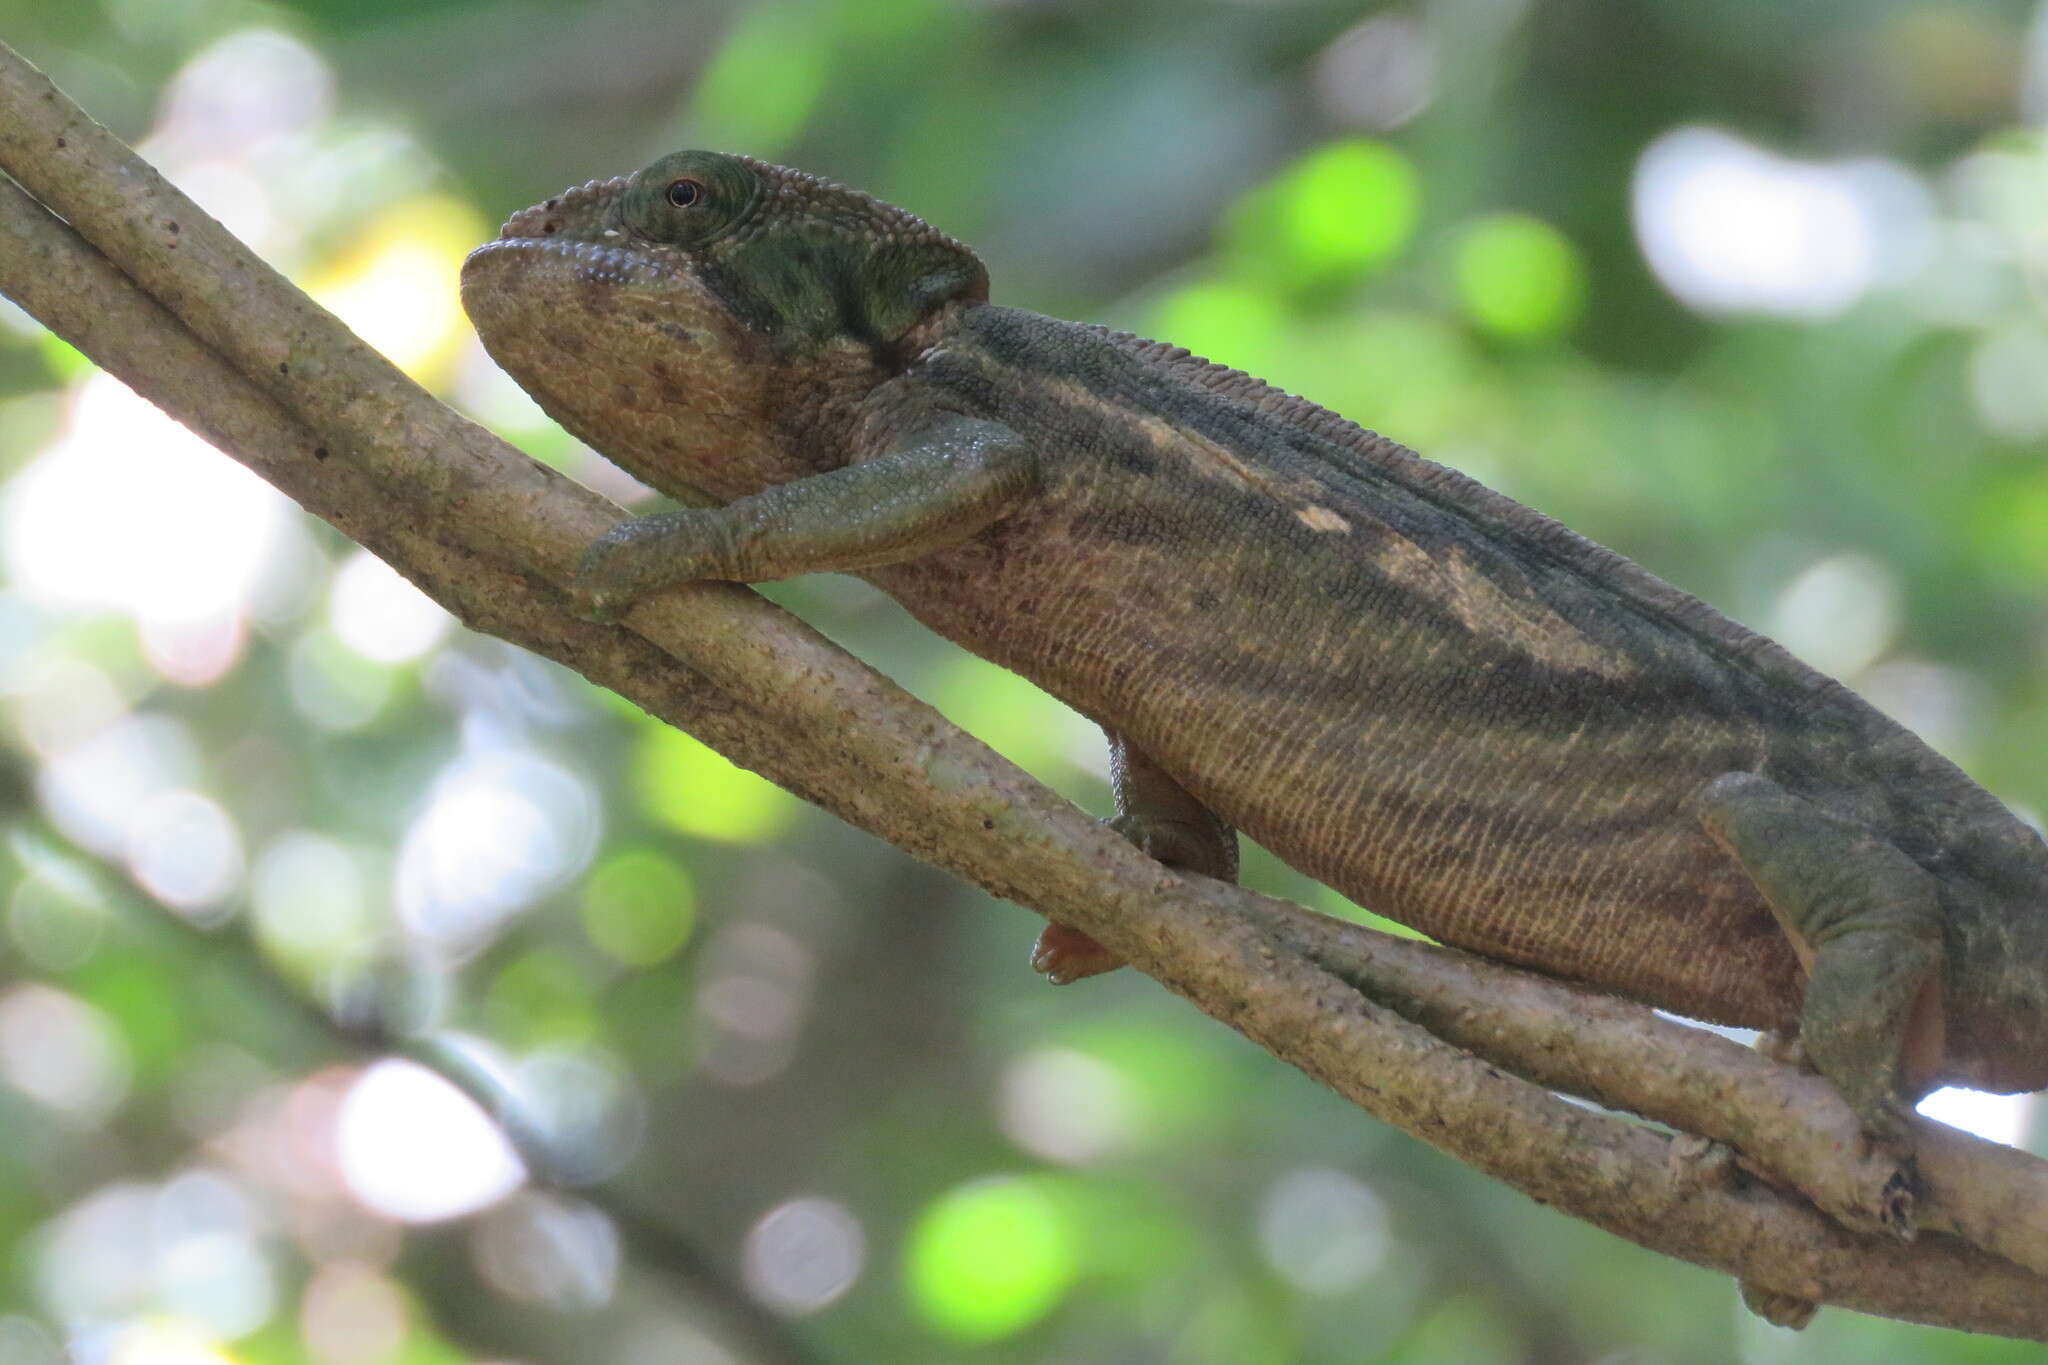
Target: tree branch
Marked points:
189	318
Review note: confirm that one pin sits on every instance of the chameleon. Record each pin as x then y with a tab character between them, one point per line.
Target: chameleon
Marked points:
1439	702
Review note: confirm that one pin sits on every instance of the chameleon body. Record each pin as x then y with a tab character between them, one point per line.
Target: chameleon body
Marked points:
1443	704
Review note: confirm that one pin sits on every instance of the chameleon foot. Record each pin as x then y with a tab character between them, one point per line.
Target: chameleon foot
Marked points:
603	589
644	555
594	594
1066	955
1887	1190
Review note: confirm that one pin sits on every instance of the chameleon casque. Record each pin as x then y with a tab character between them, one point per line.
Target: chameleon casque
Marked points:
1445	705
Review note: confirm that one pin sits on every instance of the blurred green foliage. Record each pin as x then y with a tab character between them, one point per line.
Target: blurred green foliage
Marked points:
989	1259
1803	375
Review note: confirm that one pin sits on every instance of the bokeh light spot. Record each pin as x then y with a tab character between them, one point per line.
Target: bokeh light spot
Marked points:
95	789
56	920
503	828
352	1315
803	1255
194	653
166	1341
309	899
1066	1105
186	541
2007	372
1231	324
94	1261
380	615
1381	73
1323	1231
397	286
187	852
60	1051
1351	206
239	93
1518	278
221	1281
991	1258
693	788
584	1107
336	687
1839	614
211	1268
545	1248
2006	529
59	700
1944	706
1338	213
757	982
638	907
543	997
1730	227
414	1148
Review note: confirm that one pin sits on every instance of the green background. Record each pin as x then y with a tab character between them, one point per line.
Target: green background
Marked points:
823	1069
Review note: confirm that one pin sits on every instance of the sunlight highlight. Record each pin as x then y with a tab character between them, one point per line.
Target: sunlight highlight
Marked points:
380	615
187	541
397	287
414	1148
166	1341
1996	1118
502	828
1730	227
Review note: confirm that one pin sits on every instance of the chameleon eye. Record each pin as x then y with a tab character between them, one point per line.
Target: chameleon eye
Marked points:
689	200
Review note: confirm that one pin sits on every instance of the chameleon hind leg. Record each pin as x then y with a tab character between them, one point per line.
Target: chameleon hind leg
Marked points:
1865	920
1158	815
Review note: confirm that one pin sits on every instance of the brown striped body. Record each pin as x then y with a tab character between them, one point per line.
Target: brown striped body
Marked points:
1438	713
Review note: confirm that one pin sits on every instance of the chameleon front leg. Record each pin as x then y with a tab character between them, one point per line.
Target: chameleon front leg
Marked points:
951	479
1158	815
1865	920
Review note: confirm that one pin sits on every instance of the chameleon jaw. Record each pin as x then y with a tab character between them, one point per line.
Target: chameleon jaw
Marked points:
584	262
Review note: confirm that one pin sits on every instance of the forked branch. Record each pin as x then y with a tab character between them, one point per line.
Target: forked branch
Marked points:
160	295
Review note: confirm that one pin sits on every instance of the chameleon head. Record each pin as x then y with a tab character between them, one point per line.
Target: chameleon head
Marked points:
709	320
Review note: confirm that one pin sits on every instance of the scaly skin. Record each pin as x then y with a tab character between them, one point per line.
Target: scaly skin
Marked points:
1446	706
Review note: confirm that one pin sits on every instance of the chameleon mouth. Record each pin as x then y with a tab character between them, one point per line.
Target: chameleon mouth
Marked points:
565	258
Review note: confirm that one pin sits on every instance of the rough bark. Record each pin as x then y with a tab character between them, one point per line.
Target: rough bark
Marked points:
160	295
